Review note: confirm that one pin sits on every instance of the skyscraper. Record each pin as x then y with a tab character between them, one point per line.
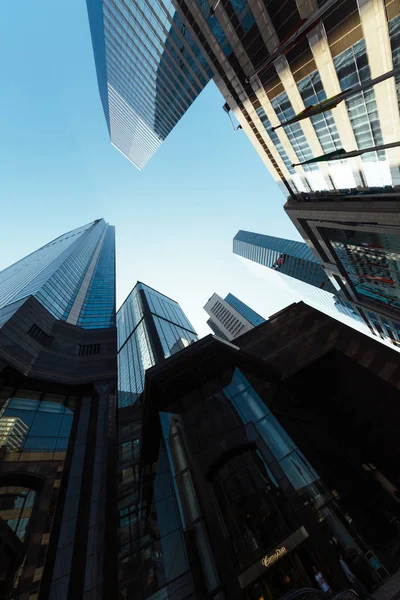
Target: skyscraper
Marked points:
149	71
299	268
287	257
73	277
231	317
151	328
57	418
269	68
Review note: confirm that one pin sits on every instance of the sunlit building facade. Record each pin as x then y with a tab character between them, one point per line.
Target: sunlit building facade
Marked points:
230	317
266	82
149	70
58	367
159	50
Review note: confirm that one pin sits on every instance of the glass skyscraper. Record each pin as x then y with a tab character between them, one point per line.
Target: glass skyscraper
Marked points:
73	277
287	257
58	376
298	267
150	328
149	71
246	312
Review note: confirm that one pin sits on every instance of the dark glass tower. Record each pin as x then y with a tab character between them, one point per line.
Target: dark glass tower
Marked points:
57	418
151	328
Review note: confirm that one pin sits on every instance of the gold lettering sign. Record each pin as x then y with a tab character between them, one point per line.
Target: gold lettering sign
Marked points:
267	561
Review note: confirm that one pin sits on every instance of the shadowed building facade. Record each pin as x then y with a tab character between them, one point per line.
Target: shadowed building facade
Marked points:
251	479
58	375
151	328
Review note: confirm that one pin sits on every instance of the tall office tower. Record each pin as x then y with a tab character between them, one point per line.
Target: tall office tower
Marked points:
287	257
231	317
149	71
297	265
151	327
271	61
58	370
357	241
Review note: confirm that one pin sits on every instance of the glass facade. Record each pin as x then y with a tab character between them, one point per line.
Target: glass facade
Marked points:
149	71
33	422
394	35
371	262
312	92
252	409
73	277
275	139
16	507
301	272
352	68
287	257
229	485
150	328
294	132
246	312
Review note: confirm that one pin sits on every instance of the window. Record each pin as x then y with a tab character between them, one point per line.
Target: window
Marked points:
87	349
352	69
28	424
39	335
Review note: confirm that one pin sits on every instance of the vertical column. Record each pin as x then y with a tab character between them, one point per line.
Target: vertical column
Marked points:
323	59
63	562
101	548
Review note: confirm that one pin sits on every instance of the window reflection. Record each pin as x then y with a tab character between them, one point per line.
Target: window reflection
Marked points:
251	408
28	423
16	507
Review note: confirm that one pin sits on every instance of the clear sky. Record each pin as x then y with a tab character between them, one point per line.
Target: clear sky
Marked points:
174	221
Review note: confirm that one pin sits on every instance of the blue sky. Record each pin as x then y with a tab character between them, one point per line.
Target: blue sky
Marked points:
174	221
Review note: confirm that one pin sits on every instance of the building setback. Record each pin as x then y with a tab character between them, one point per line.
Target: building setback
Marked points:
58	372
